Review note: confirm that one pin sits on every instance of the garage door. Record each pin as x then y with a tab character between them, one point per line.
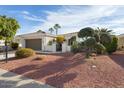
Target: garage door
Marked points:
34	44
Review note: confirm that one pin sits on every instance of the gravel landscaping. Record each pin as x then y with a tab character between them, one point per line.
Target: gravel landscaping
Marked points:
71	70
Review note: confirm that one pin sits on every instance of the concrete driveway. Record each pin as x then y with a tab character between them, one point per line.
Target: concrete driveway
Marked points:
12	80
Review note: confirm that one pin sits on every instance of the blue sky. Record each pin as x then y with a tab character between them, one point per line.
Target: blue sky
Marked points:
71	18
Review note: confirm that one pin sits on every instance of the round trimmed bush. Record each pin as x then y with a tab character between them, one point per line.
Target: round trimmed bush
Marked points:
90	42
24	52
100	49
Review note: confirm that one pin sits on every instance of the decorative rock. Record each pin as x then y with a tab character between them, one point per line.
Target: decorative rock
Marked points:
93	66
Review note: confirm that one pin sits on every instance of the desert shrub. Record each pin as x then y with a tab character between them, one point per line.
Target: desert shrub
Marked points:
24	52
112	47
76	47
60	39
14	45
114	44
39	57
100	49
50	42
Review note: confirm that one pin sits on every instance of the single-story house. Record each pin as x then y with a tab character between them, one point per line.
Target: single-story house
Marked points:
40	41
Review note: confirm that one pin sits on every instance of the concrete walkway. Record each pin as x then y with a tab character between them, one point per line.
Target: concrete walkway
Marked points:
12	80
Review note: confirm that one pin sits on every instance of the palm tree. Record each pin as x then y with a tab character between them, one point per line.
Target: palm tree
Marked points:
92	37
56	27
104	35
51	30
103	30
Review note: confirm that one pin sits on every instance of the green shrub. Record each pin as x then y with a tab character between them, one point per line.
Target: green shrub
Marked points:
60	39
90	42
112	47
14	45
100	49
76	47
24	52
50	42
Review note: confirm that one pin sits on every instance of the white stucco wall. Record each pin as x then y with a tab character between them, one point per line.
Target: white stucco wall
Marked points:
54	47
68	48
64	47
22	41
45	45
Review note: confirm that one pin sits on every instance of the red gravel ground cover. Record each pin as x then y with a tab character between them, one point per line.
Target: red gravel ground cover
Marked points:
72	70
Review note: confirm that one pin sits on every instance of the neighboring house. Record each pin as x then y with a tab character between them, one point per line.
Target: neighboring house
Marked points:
40	41
2	46
121	41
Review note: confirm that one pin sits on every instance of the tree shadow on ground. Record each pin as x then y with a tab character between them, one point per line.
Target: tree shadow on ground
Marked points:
59	80
118	58
59	66
22	70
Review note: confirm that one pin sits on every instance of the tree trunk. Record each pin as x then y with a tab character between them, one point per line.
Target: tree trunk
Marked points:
6	51
56	31
88	53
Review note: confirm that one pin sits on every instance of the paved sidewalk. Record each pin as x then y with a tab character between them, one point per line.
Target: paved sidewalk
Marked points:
12	80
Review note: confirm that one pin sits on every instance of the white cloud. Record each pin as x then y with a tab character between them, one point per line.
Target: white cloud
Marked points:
119	30
25	12
73	18
33	18
29	16
117	21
